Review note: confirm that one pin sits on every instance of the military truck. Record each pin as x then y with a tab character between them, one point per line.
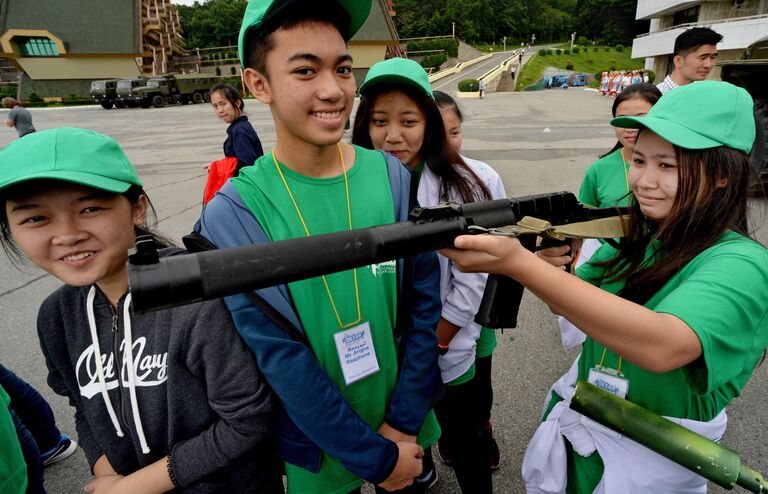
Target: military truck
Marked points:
751	73
170	88
124	90
104	92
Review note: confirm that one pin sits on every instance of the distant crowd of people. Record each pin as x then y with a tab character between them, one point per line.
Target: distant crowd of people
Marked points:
616	81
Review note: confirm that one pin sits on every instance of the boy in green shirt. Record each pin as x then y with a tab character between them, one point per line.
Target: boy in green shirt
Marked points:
353	355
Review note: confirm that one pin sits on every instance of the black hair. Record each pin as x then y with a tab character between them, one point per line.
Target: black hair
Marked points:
22	189
692	39
260	42
438	155
231	94
703	210
644	90
445	100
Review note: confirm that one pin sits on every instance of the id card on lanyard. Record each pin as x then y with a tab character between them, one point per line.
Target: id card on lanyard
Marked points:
357	355
607	379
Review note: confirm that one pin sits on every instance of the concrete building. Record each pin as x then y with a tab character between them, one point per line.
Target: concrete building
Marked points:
55	48
58	47
741	22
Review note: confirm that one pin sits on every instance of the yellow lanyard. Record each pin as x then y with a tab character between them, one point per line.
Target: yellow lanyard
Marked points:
625	166
306	230
602	359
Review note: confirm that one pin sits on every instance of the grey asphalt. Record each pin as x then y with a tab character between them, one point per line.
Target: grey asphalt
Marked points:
538	141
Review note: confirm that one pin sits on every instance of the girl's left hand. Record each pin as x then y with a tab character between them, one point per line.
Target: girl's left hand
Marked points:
106	484
486	254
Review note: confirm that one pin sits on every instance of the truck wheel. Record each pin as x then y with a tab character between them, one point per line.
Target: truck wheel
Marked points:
758	157
197	98
145	102
119	104
207	96
106	104
132	104
184	99
158	101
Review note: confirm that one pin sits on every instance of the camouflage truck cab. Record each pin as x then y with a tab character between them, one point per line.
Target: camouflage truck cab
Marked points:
104	92
170	88
125	96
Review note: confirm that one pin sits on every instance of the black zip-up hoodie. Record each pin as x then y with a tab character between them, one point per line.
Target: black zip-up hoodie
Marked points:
198	392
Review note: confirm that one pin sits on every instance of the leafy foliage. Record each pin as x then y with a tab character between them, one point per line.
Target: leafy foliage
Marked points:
211	23
451	46
469	85
612	21
434	62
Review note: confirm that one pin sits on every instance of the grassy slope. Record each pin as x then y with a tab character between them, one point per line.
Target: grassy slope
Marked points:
589	62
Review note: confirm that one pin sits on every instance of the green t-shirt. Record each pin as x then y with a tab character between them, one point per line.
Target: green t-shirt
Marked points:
605	182
13	469
486	344
323	204
722	294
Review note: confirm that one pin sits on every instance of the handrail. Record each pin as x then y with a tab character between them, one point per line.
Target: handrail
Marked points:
705	23
495	72
458	67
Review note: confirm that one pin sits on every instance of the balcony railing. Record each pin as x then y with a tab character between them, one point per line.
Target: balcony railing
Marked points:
705	24
738	33
649	9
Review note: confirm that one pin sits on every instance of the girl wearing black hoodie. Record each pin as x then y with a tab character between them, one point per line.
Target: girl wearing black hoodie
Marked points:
163	401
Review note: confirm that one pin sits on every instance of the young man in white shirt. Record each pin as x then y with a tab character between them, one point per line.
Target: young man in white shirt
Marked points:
694	56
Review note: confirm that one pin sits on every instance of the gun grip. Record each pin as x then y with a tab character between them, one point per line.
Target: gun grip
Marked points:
501	302
502	296
548	242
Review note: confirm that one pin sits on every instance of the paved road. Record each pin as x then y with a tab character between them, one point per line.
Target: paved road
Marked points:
170	145
450	83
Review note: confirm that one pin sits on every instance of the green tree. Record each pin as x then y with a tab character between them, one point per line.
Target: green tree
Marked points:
612	21
211	22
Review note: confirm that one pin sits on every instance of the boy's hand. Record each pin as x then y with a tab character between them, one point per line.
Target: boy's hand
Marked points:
395	435
408	467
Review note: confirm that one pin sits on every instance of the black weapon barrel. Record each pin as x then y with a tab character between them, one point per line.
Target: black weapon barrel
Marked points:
189	278
212	274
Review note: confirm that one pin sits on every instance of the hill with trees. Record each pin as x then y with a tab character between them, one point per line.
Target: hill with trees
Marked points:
212	23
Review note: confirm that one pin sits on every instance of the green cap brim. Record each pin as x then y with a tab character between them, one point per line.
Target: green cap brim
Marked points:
393	78
80	178
673	132
258	12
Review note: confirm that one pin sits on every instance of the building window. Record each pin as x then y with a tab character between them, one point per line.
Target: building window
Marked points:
38	47
687	16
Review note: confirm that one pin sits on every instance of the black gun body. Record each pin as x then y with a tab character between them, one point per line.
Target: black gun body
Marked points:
213	274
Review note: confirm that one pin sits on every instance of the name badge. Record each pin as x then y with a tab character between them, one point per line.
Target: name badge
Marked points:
357	355
609	380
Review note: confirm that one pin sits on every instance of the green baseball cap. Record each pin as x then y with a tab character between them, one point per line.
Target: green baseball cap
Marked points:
400	70
74	155
259	11
700	115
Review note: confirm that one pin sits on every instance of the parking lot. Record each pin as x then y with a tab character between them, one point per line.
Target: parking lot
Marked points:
538	141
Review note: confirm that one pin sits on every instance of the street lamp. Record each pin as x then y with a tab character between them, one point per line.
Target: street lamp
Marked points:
573	37
453	29
504	40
